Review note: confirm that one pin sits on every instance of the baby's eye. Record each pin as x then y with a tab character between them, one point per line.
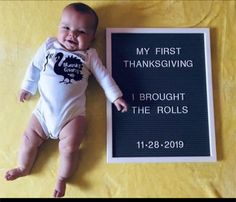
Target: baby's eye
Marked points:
81	32
65	27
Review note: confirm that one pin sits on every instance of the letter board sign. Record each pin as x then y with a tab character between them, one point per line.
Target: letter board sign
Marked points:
165	76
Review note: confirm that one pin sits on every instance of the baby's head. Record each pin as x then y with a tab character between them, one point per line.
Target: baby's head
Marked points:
77	27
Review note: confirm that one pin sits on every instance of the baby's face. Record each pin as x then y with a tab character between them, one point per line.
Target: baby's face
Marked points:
76	30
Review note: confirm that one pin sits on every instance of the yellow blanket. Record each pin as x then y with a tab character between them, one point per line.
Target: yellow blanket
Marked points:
26	24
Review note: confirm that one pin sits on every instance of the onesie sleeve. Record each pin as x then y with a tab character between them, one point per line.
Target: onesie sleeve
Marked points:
104	78
32	75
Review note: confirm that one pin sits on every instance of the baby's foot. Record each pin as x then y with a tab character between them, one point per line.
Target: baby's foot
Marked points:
15	173
60	188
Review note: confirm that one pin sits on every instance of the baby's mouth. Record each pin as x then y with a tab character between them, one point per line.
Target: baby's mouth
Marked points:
72	42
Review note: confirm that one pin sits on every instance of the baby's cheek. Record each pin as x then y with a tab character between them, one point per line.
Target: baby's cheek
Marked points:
83	43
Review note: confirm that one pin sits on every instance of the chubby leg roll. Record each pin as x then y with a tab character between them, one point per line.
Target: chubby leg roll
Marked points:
32	138
70	137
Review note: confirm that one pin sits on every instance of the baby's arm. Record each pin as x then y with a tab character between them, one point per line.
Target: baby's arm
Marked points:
121	105
112	90
24	95
30	82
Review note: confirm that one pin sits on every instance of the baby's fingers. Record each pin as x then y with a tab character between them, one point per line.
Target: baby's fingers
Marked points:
24	95
125	107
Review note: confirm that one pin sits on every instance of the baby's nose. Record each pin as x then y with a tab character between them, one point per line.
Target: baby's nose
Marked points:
73	33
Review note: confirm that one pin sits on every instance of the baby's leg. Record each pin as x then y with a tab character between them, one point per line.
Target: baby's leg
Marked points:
32	138
70	138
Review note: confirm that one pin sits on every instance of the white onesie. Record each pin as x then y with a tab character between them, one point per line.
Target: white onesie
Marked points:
62	78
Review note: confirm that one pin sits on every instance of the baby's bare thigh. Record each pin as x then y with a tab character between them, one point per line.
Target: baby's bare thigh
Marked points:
73	132
34	132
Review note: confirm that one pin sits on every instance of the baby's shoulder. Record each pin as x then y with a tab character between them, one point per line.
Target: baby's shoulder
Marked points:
92	52
49	42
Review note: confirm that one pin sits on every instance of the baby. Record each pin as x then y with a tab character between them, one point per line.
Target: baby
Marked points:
60	71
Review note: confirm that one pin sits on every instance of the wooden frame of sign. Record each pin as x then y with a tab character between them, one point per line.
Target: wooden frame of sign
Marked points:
165	76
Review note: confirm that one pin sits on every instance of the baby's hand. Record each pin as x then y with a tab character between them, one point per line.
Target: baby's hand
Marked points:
121	105
24	95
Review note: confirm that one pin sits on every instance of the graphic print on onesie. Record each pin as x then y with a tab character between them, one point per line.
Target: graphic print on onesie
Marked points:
69	67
